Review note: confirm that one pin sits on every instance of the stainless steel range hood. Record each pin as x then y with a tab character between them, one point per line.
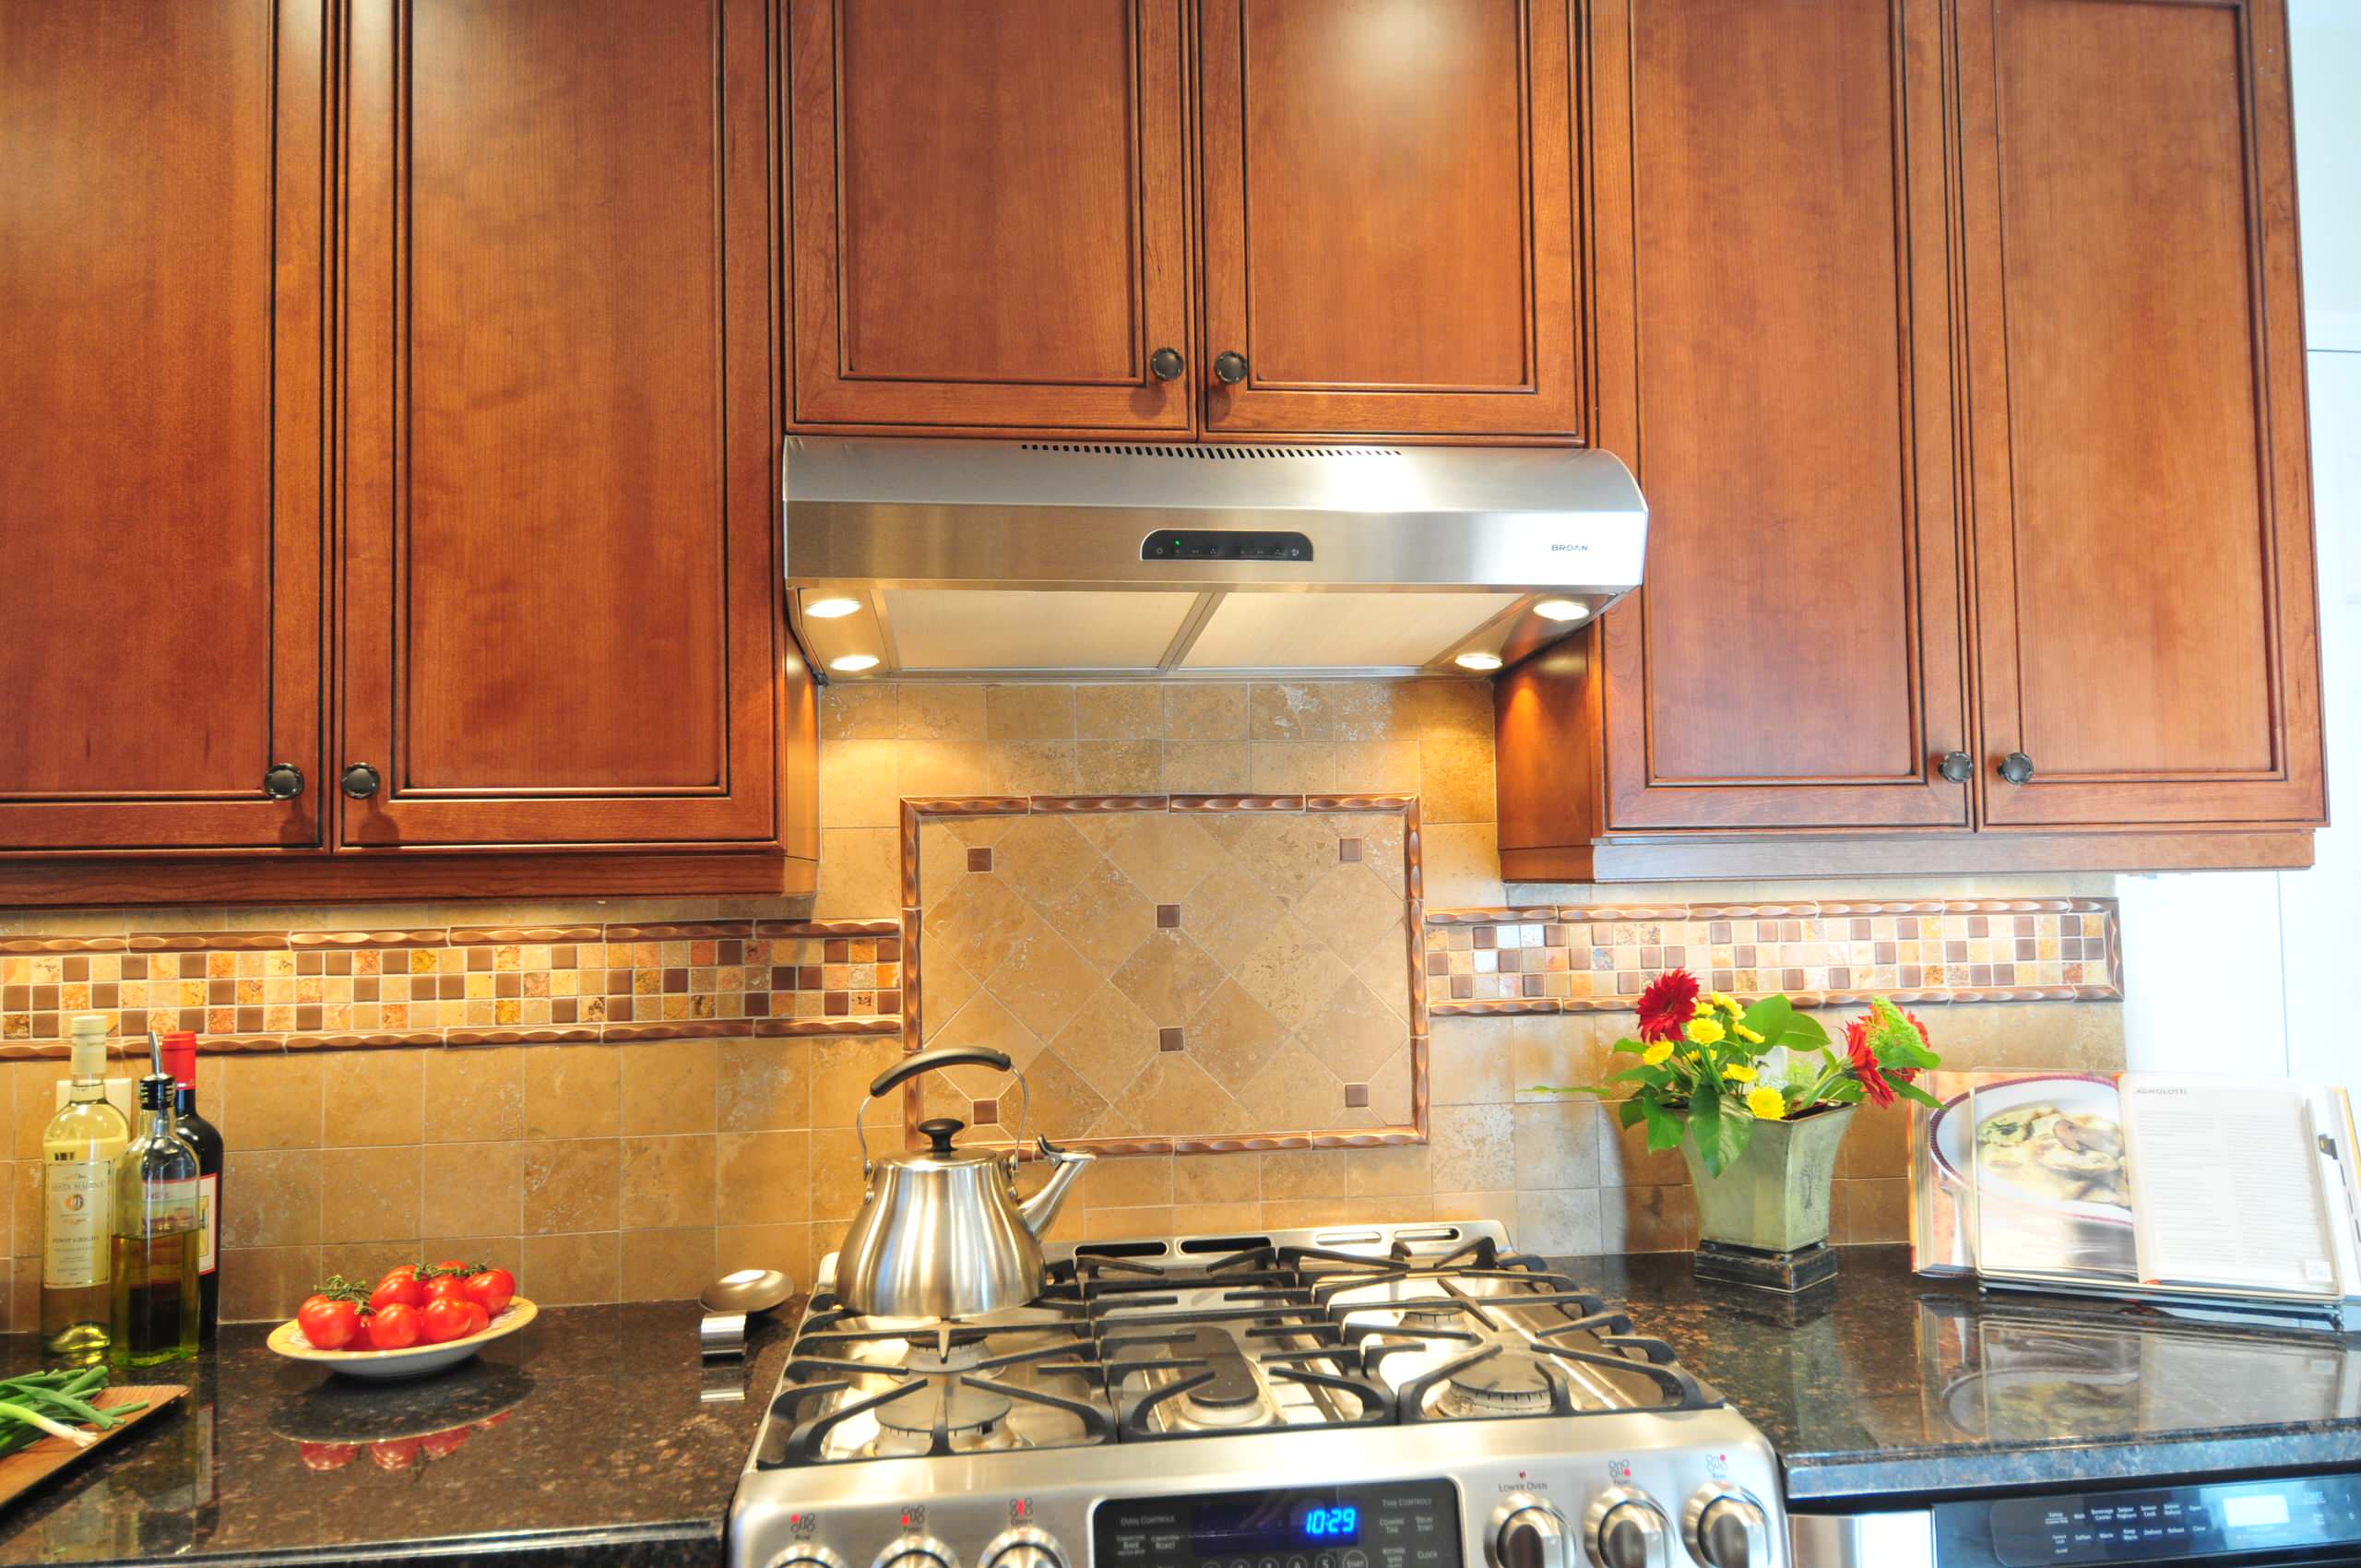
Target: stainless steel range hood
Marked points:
1004	560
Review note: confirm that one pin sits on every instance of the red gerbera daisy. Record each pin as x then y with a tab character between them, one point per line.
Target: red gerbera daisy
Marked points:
1874	1088
1667	1006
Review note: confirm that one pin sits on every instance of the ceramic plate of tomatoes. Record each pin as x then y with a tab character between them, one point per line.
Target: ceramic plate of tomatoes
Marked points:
419	1318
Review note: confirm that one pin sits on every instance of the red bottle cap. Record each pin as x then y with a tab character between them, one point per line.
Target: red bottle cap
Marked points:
180	1056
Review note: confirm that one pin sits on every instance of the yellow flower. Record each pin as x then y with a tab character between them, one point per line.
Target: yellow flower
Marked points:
1703	1031
1655	1054
1721	1000
1738	1073
1768	1104
1746	1034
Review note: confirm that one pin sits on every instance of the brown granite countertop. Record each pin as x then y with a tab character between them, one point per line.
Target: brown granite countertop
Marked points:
595	1436
1889	1383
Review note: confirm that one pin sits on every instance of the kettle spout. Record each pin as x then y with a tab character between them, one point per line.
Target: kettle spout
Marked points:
1039	1210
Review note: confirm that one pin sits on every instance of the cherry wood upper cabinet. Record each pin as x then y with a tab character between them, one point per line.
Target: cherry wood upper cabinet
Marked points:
989	219
2143	536
1776	365
1389	217
162	429
560	588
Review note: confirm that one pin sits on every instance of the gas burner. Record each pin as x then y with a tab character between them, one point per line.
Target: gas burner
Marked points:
931	1356
959	1406
1507	1385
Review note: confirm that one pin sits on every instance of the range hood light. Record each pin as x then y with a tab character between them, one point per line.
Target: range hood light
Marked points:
1561	610
854	663
830	609
1477	661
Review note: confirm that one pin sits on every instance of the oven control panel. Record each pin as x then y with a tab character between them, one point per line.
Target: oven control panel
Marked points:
2299	1513
1410	1523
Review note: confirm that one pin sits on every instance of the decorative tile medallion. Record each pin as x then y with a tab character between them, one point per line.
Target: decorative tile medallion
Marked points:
1171	973
459	985
1589	958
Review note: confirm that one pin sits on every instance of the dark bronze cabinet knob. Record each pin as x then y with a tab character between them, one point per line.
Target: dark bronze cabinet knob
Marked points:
360	782
1229	368
1957	767
2016	767
1165	365
283	782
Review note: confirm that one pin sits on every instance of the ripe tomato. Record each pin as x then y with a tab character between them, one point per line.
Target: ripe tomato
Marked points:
398	1456
327	1324
455	1265
448	1319
478	1319
391	1292
445	1287
394	1327
492	1291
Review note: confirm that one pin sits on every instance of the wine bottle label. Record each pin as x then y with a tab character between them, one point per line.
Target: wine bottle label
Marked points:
170	1206
74	1222
208	1220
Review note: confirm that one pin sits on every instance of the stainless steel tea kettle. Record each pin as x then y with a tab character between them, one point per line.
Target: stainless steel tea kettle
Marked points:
941	1233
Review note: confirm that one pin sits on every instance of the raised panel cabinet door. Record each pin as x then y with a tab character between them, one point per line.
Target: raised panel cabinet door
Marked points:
1776	365
2145	605
161	295
1389	229
560	589
988	216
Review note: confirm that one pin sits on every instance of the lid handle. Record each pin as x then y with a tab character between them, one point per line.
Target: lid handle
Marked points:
939	1130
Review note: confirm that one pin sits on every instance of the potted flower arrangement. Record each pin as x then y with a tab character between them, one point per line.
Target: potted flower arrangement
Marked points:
1757	1099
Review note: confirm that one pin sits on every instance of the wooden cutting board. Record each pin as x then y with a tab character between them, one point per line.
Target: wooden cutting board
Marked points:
31	1466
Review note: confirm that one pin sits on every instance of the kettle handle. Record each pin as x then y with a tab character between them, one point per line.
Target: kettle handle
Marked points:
909	1067
928	1061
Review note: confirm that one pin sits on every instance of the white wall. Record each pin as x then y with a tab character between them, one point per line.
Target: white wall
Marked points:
2241	970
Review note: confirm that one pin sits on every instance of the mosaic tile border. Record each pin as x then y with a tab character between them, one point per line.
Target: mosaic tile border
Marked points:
1597	957
918	809
267	991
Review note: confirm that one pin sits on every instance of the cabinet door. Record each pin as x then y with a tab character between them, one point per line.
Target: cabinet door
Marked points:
560	583
2143	555
1775	364
161	422
990	217
1389	217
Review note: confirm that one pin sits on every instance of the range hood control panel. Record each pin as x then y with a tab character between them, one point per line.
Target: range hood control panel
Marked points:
1224	544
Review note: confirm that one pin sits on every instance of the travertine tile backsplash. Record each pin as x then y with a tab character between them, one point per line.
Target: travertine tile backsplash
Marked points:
612	1166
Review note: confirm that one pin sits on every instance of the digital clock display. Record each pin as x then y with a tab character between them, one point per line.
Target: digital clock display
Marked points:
1324	1526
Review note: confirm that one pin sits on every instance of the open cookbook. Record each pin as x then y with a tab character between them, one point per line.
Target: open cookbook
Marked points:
2215	1197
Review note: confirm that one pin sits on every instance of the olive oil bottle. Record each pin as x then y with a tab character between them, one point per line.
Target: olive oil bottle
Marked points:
80	1151
158	1238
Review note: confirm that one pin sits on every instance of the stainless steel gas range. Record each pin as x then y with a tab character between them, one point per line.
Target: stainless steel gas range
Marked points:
1379	1396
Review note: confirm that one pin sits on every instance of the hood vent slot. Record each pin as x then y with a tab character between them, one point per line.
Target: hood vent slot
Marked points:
1206	453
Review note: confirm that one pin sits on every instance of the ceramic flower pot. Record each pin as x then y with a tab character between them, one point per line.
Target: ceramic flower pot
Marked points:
1772	1198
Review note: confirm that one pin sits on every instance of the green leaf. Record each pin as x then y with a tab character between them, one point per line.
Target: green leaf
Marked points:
1915	1095
1628	1047
1629	1111
1768	1017
1722	1130
1664	1127
1804	1032
1567	1088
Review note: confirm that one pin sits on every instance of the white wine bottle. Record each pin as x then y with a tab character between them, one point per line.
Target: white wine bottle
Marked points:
79	1150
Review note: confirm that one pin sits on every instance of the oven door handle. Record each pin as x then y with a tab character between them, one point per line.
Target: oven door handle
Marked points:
1904	1540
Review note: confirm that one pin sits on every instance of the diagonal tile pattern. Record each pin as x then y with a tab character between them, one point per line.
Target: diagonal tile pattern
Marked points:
1176	975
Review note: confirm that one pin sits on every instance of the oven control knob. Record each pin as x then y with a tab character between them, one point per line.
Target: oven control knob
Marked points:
1727	1528
805	1555
1624	1530
1528	1533
916	1552
1022	1547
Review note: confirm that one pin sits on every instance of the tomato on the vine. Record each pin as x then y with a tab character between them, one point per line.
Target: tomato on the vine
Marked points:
492	1291
395	1326
328	1324
448	1319
444	1286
